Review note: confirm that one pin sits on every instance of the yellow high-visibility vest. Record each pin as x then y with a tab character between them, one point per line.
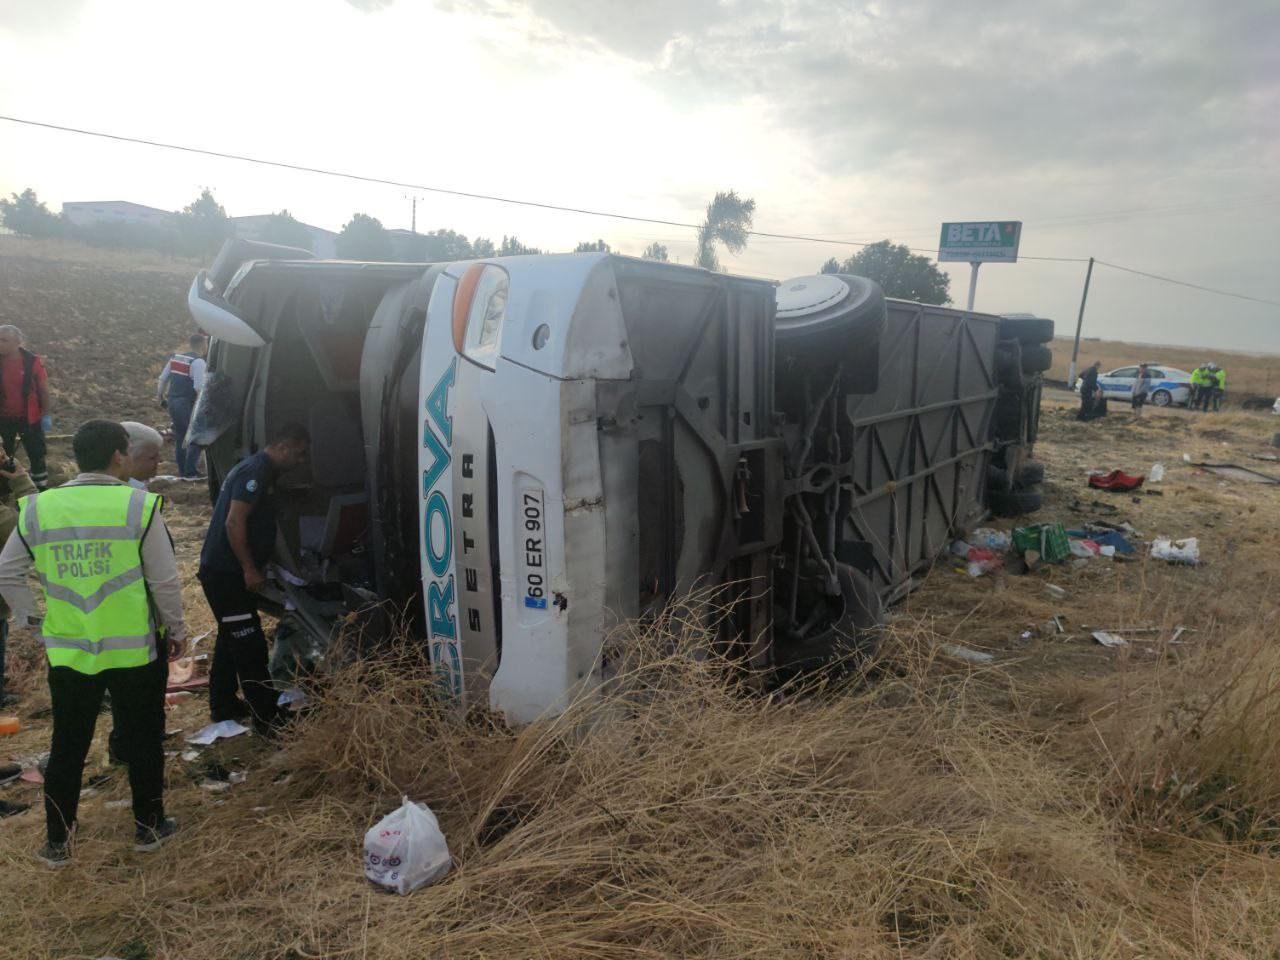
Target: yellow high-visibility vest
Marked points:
86	542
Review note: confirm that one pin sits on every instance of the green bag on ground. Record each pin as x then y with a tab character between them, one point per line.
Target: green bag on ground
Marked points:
1050	539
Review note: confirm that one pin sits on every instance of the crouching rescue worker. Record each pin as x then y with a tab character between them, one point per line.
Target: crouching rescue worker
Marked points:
108	573
237	549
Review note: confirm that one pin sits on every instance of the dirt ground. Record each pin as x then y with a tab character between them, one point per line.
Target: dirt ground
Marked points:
1062	799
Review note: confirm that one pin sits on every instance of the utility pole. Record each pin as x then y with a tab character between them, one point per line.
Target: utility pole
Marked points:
413	212
1075	351
973	280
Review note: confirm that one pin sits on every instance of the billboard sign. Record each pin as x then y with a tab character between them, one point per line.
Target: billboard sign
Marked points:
980	241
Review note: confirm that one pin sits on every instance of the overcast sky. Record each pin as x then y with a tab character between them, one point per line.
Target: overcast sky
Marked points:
1145	132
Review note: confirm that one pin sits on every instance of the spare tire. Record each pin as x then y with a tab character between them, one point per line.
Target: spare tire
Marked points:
1036	358
997	478
1014	503
1026	329
1009	364
830	318
1029	474
1008	417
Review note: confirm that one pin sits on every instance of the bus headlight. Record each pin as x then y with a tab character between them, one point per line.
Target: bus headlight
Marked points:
479	309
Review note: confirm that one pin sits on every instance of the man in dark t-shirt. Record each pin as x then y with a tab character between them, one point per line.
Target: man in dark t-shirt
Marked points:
237	549
1088	391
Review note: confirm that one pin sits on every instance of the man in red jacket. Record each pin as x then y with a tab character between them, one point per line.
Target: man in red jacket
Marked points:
24	402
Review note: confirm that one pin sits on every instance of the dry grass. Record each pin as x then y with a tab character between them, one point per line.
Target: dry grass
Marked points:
1247	373
676	816
1063	801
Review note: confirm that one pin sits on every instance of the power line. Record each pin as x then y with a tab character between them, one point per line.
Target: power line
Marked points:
383	181
1184	283
321	171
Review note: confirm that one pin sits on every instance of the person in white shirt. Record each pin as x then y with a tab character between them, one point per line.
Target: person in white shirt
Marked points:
145	448
180	384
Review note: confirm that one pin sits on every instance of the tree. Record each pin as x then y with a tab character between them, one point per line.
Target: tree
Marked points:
899	272
656	251
592	246
482	248
203	225
512	247
446	245
729	222
284	228
27	215
831	266
364	238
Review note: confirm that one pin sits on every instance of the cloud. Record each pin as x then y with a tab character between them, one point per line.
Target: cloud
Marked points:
1088	86
38	16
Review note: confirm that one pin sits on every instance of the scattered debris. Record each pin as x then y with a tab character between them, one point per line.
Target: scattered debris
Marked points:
1049	540
1059	626
189	756
1233	471
1269	457
11	808
983	561
293	698
1177	551
406	849
216	731
10	725
1084	549
9	772
1108	639
1109	542
118	804
987	538
965	653
1093	506
1156	474
1055	591
1116	480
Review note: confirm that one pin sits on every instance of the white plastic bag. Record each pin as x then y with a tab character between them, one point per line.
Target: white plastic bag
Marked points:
990	539
406	849
1156	473
1177	551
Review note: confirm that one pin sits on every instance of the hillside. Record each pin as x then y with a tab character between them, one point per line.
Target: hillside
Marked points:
104	321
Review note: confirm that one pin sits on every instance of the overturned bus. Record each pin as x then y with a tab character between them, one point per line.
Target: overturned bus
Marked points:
519	454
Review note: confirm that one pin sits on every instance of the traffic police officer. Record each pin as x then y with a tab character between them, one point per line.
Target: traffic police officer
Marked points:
110	581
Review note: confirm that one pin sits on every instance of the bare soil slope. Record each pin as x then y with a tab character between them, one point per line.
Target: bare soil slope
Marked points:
105	322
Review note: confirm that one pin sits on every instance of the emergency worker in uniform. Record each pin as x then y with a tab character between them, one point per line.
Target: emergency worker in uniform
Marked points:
237	549
179	385
110	582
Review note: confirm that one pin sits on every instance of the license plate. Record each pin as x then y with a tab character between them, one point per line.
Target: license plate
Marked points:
531	544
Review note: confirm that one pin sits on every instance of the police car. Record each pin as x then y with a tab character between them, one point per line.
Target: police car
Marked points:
1168	386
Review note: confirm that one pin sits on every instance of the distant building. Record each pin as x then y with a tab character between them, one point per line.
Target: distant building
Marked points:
323	242
84	213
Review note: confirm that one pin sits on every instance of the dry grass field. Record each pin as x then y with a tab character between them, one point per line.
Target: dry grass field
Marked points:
1247	373
1062	800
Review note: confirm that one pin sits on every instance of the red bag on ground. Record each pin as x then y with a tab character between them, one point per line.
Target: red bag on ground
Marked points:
1116	480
